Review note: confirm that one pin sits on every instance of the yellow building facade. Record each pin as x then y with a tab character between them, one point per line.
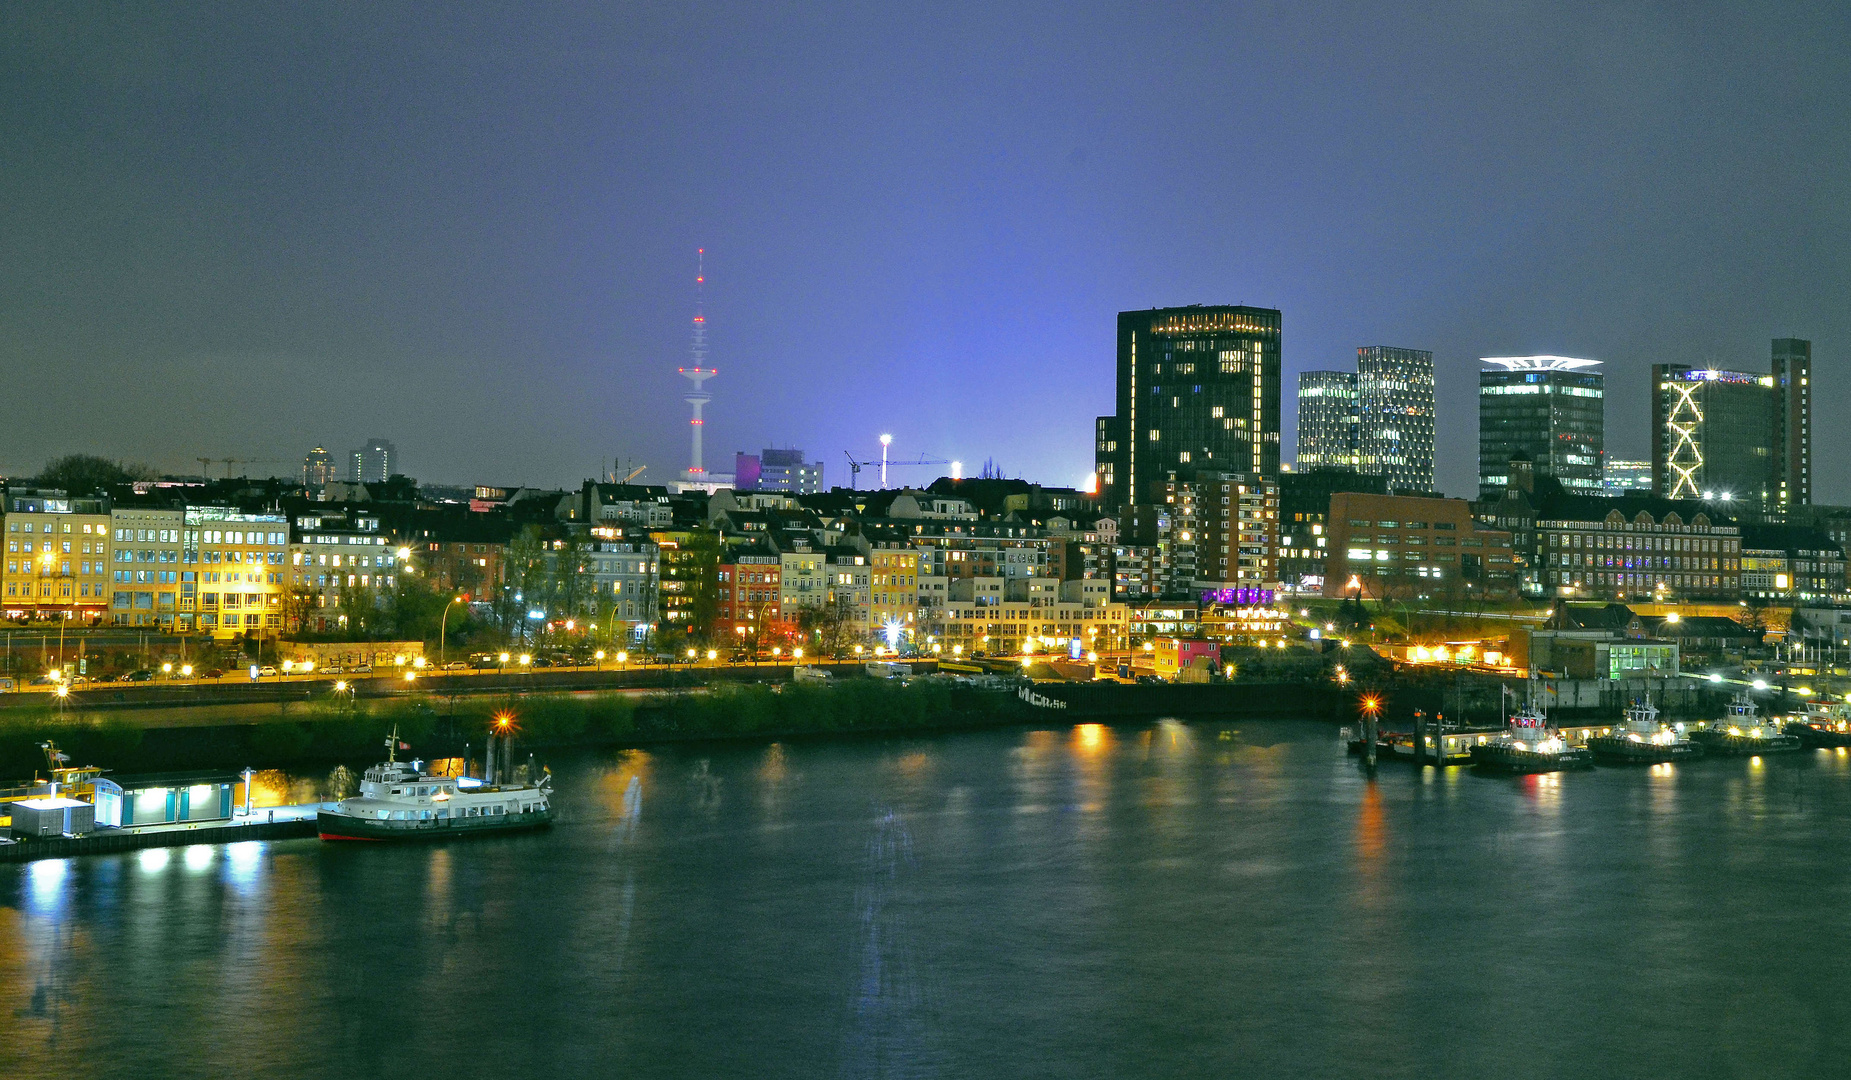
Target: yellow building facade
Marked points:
240	561
893	606
57	554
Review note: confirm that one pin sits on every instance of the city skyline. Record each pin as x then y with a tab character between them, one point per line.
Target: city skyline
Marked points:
529	287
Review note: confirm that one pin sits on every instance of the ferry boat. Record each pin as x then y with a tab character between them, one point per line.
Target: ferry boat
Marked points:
1642	739
1528	744
399	801
1744	731
1822	725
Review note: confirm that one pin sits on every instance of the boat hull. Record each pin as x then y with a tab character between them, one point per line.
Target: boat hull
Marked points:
1818	738
1497	758
1627	752
336	826
1721	742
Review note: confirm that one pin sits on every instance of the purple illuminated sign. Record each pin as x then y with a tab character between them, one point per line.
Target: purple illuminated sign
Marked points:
1238	596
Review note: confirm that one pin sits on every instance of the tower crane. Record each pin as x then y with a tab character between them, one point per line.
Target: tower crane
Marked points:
855	467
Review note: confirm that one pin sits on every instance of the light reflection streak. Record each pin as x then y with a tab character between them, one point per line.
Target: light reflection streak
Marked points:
153	860
45	880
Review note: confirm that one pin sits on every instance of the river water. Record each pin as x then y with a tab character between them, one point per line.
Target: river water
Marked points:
1142	900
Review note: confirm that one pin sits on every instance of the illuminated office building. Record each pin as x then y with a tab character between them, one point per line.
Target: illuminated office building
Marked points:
1549	407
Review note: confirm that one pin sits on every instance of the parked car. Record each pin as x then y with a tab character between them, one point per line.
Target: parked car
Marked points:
143	675
457	665
213	673
266	672
361	669
331	669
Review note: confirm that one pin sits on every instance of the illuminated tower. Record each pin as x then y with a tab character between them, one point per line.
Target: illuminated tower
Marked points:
699	373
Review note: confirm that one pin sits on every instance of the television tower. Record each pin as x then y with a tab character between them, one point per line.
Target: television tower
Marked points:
699	373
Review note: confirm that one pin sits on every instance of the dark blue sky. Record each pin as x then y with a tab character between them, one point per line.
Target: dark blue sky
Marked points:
240	230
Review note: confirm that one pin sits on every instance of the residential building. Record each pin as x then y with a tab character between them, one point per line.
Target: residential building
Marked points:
894	592
1550	408
56	551
374	463
1304	510
850	588
1198	388
318	468
1327	420
967	628
1233	524
803	580
241	561
340	565
748	579
1626	477
624	567
1733	436
145	574
1398	547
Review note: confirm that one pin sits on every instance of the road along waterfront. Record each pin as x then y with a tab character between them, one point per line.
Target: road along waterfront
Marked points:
1069	900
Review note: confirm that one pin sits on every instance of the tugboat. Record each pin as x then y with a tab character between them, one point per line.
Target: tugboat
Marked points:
1528	744
1643	740
399	801
1743	731
1821	726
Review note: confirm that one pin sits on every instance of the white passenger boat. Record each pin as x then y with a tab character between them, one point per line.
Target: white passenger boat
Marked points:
399	801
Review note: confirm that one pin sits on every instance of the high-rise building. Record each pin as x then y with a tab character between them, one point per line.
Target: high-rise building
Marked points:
1736	436
318	467
1198	390
1792	370
1551	408
1377	421
1327	420
375	463
1394	405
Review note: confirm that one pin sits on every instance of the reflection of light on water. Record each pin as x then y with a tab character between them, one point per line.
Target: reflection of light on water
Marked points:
153	860
45	884
1543	789
242	862
1091	739
198	857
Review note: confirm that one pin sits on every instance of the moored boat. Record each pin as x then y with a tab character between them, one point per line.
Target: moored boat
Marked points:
1529	744
1822	726
1642	739
399	801
1744	731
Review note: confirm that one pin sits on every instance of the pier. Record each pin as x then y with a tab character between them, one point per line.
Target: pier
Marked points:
264	823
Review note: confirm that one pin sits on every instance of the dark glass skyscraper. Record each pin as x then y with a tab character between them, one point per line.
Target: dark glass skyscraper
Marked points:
1550	407
1198	391
1736	436
1394	406
1327	420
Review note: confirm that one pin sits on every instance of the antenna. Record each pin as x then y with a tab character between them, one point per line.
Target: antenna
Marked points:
699	372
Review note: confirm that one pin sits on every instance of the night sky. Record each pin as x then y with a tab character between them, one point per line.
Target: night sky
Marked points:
241	230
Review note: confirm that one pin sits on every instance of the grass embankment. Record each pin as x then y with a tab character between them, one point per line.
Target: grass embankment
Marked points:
356	732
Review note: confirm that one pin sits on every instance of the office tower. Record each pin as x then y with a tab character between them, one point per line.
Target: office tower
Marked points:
1626	477
1377	421
1549	407
782	471
374	463
1736	436
318	467
1198	389
1792	371
1327	420
1394	406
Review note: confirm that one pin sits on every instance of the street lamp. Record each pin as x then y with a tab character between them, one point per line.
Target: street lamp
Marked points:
443	624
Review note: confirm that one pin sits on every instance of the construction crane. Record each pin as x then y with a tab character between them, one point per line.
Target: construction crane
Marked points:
855	467
633	474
